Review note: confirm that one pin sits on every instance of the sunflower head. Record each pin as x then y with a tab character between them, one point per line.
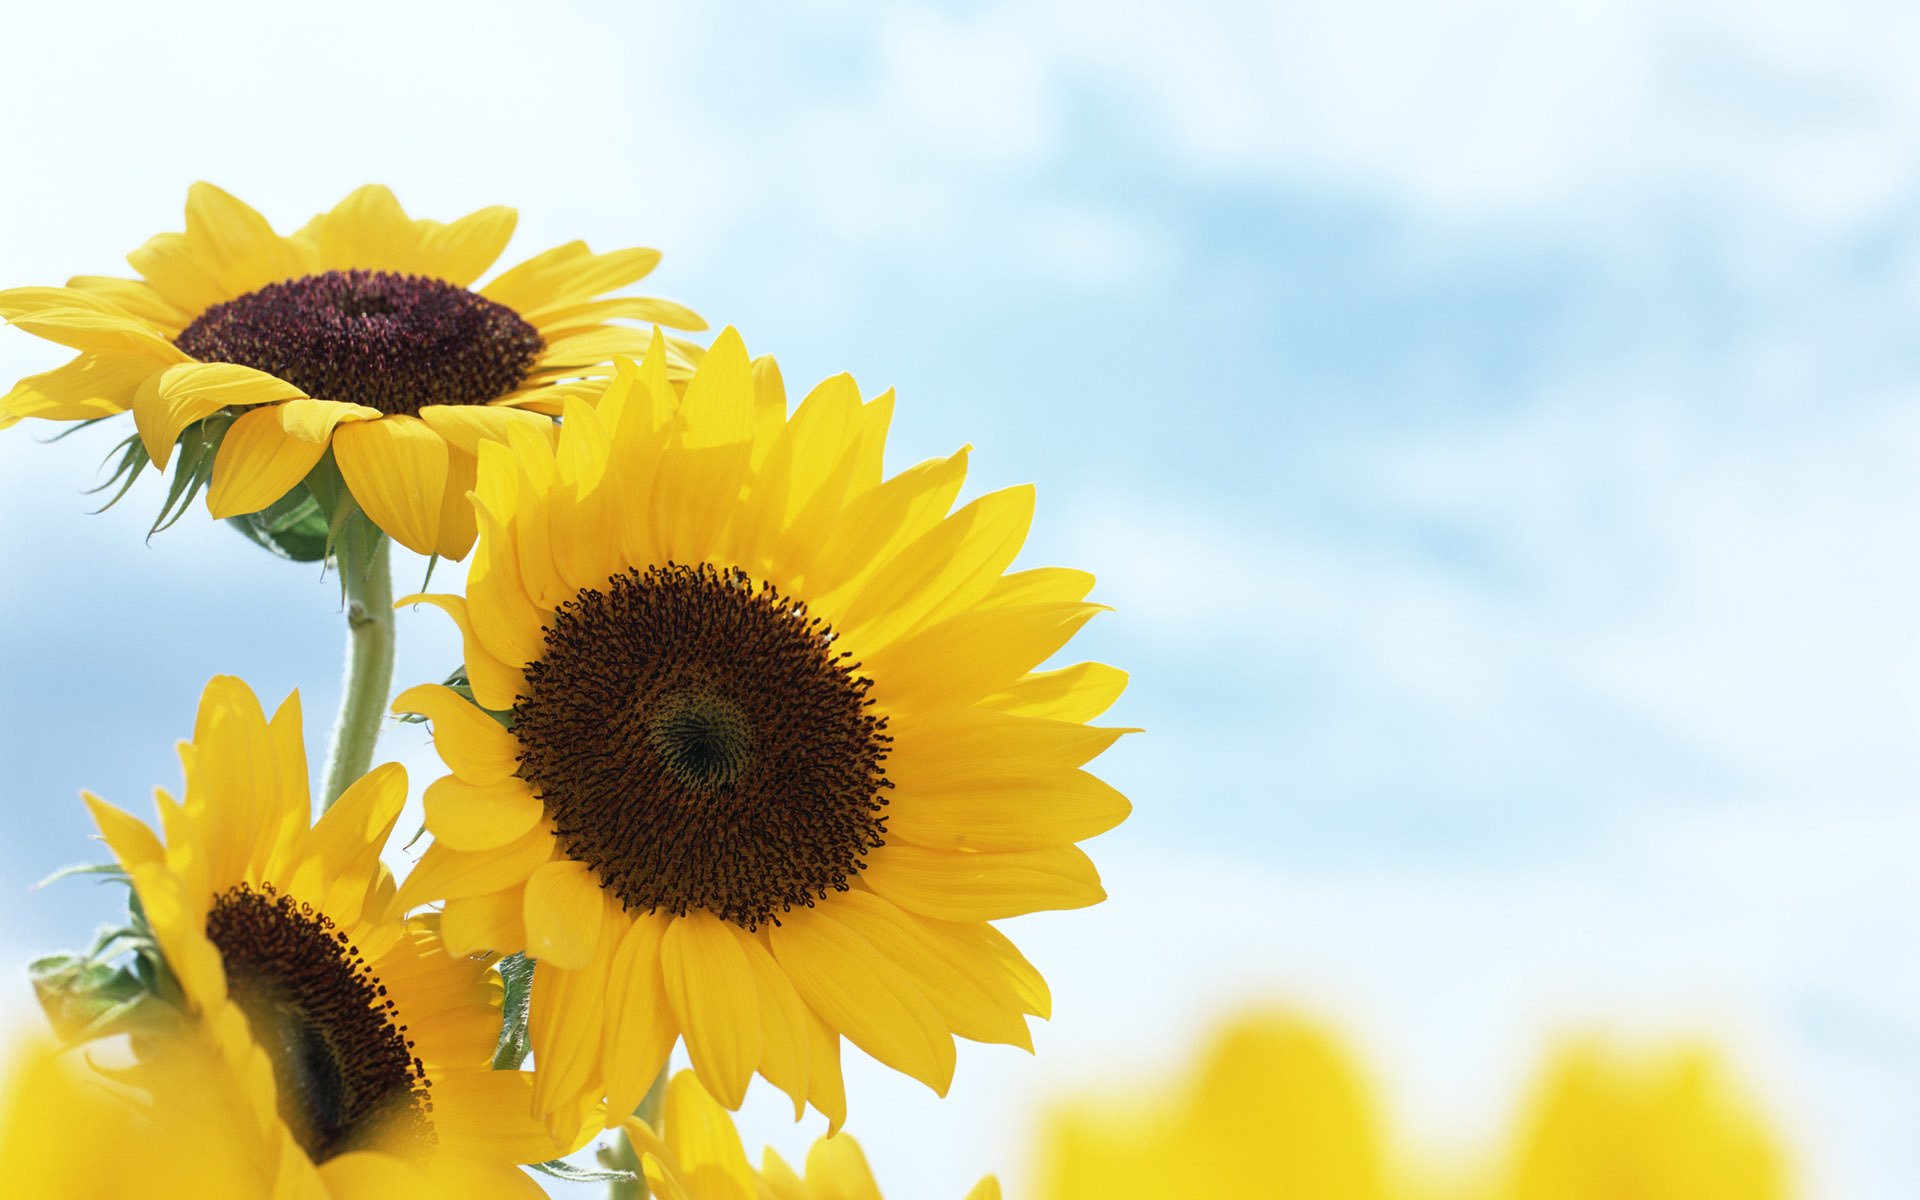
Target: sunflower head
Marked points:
761	744
349	1039
357	347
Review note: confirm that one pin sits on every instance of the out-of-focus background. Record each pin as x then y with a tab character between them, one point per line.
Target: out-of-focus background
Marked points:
1496	427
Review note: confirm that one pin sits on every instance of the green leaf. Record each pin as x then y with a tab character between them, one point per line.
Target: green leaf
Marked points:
516	972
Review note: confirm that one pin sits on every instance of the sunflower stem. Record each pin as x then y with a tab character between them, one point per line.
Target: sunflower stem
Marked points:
363	696
622	1156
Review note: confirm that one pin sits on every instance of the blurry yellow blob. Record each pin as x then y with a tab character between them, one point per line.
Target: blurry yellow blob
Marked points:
1673	1127
1276	1108
68	1130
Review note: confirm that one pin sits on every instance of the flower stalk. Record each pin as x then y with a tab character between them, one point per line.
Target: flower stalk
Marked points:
368	586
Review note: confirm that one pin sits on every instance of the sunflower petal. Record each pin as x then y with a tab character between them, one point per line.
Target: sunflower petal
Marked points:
396	469
563	910
863	994
712	991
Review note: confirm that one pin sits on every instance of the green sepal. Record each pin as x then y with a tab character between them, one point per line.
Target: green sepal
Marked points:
292	527
560	1168
86	999
133	461
114	872
351	539
516	973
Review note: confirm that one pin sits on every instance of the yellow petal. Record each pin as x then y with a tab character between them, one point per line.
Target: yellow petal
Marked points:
1019	810
837	1170
443	874
132	842
970	655
465	426
705	1147
258	463
473	924
92	385
982	887
343	847
943	572
458	527
563	910
640	1029
568	273
1077	693
477	747
177	397
495	684
468	816
952	978
235	243
712	991
866	996
314	420
488	1115
565	1021
396	469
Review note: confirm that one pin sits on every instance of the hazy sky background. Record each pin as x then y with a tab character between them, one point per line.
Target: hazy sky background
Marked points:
1494	426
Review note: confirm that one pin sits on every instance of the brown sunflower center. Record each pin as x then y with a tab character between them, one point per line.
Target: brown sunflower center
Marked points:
700	744
393	342
345	1073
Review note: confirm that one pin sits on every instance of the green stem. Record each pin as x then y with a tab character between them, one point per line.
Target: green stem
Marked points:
363	696
622	1156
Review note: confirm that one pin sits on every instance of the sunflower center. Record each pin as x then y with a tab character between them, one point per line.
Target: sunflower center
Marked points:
700	744
393	342
345	1073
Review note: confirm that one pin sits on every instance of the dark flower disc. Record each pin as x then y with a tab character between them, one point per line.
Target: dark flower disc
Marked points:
393	342
345	1073
700	744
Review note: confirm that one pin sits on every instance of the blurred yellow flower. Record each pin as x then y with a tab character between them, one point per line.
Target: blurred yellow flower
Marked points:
698	1156
1278	1109
360	333
70	1132
1275	1108
1670	1127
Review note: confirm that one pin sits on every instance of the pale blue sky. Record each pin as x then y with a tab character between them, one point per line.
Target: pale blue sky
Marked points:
1494	426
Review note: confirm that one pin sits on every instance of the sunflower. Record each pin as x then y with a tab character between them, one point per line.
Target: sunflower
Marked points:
361	332
698	1156
355	1044
773	749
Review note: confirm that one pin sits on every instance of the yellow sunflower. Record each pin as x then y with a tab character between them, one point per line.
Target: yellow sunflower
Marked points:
357	1045
361	332
698	1156
779	751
